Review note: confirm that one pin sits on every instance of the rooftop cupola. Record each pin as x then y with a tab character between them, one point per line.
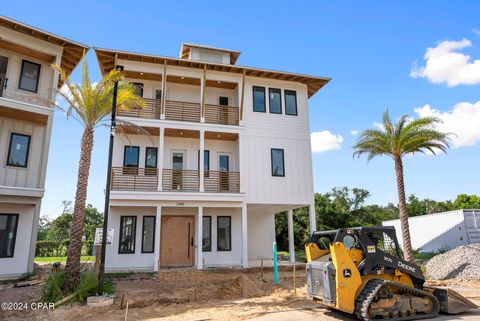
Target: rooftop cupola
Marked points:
209	54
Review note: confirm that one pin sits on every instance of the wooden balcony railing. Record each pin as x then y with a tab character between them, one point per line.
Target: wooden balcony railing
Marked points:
134	179
151	110
180	180
182	111
219	114
221	182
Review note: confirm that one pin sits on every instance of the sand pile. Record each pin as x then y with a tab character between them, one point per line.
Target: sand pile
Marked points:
461	263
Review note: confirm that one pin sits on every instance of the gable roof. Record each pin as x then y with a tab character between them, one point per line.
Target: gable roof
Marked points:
72	50
107	59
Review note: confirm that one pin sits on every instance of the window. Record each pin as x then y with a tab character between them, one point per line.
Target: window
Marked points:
206	161
151	157
259	99
207	234
291	102
224	233
131	156
138	88
18	150
29	76
275	100
278	165
223	101
128	225
8	234
148	234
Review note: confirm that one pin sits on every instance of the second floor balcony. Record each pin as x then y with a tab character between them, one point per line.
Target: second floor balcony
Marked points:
174	180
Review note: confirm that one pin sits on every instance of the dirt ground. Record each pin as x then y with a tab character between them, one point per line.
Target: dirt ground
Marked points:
195	295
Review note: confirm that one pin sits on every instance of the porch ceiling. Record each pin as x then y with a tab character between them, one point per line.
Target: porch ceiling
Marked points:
23	115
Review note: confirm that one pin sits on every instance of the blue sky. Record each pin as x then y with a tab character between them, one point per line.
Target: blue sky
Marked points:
368	48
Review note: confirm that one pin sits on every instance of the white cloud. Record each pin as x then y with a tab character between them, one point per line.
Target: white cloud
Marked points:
444	64
354	132
476	31
324	141
463	121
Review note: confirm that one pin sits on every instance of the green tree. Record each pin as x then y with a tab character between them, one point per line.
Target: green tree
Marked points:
93	220
464	201
90	104
397	140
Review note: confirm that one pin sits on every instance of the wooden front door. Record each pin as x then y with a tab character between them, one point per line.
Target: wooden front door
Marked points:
177	241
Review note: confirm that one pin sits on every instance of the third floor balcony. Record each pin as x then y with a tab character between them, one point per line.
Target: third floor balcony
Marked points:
186	99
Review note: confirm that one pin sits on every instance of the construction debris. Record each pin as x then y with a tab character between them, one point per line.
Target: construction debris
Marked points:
461	263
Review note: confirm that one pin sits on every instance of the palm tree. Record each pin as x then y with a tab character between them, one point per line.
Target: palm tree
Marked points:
89	103
397	140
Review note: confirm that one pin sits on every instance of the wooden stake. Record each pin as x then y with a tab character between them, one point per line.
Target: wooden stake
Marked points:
294	279
261	270
122	301
195	295
126	312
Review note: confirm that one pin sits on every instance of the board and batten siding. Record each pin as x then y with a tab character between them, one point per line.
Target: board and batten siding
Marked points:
28	177
264	131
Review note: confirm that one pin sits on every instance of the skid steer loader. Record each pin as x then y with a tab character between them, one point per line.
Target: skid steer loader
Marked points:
361	271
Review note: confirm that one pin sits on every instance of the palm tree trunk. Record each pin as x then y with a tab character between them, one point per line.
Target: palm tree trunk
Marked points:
402	205
72	269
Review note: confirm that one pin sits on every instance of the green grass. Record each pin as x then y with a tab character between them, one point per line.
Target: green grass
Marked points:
62	259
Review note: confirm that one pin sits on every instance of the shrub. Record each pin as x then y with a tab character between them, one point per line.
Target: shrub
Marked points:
53	288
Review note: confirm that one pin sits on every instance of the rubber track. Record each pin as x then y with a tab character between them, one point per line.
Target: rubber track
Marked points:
366	296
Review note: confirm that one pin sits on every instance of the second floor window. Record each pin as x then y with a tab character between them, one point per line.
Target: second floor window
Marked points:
18	150
291	102
259	99
29	76
151	157
206	161
130	156
275	100
278	164
138	87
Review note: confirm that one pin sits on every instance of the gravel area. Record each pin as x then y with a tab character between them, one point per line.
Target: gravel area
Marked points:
461	263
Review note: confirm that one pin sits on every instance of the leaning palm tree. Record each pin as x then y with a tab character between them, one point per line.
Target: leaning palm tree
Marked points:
89	103
397	140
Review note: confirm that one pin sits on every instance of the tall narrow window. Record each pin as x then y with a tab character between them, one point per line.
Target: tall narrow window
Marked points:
29	76
207	234
138	88
150	160
206	161
291	102
148	234
259	99
18	150
224	233
128	225
275	100
8	234
131	156
278	165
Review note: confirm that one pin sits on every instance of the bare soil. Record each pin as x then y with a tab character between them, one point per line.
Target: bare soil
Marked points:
195	295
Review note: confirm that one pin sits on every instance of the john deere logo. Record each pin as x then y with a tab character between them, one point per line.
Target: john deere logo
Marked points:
347	273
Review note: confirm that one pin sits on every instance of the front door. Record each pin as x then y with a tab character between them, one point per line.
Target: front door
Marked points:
224	168
177	241
3	74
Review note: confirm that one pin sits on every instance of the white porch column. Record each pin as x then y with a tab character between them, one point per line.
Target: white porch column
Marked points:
203	83
313	219
202	160
244	236
158	220
161	144
164	89
200	238
291	242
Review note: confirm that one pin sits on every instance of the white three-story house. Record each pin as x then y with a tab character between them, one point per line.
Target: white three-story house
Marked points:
222	148
28	86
